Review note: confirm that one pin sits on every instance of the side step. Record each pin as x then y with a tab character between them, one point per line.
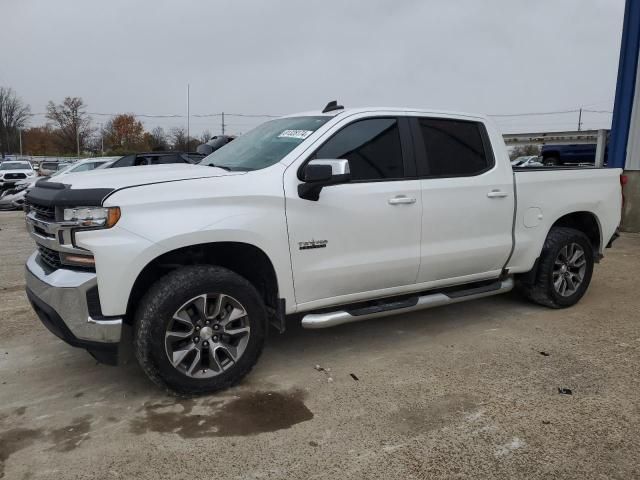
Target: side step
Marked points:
446	297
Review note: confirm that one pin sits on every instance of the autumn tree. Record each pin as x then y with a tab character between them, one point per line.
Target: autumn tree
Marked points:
14	114
124	133
73	125
40	141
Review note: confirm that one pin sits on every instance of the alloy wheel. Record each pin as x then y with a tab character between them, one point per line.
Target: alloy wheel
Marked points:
207	335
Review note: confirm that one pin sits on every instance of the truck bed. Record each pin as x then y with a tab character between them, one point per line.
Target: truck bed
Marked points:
544	195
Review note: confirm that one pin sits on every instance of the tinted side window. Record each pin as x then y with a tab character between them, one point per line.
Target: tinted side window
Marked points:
372	147
454	147
124	162
163	159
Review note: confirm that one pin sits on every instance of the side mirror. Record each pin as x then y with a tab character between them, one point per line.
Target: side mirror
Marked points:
321	173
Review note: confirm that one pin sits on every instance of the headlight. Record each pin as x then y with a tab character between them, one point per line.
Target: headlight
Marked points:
105	217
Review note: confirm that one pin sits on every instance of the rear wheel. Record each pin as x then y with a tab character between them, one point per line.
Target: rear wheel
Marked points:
564	269
199	329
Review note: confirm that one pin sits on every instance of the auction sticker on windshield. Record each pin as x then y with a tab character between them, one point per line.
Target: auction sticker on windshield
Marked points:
300	134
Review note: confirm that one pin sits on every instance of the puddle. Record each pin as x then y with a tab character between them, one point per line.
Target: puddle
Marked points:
14	440
250	413
64	439
71	436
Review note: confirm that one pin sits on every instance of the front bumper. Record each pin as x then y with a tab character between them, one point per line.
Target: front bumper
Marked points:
65	301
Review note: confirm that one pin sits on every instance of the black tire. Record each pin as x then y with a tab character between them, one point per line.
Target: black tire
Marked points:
551	161
542	289
157	308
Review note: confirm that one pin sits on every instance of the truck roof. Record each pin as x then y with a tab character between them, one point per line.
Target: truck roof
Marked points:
352	111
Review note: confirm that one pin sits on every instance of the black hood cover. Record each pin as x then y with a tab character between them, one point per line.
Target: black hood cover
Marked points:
54	194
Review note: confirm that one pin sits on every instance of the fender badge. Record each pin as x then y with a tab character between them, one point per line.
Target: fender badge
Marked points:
312	244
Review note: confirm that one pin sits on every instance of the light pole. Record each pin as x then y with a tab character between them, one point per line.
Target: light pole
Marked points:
20	132
101	140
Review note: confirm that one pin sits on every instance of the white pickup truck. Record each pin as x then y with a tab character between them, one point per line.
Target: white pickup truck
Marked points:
340	215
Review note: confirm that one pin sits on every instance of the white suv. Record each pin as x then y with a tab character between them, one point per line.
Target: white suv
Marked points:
12	171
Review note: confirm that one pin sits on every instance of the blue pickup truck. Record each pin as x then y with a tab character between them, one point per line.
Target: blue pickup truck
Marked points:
569	154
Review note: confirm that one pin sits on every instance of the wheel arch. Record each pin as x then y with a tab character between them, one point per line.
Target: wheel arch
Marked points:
585	222
245	259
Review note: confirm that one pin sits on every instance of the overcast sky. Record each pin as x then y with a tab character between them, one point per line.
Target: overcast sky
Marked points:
282	56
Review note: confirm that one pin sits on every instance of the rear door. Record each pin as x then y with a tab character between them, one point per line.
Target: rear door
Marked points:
467	198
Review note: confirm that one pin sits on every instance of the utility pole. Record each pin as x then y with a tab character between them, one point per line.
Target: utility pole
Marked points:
20	130
78	141
580	120
222	123
188	115
101	140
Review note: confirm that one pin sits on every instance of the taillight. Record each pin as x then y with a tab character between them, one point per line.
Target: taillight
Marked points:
623	181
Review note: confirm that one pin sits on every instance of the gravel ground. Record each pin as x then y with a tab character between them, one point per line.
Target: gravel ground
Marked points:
469	390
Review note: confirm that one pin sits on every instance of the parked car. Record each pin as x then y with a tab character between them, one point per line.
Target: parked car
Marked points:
527	161
14	170
48	167
214	144
84	165
13	199
553	155
156	158
367	212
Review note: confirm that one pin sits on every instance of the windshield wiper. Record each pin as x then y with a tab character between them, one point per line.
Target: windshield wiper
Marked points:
220	166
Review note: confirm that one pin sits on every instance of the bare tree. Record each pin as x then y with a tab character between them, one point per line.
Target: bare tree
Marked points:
14	114
158	139
205	136
179	138
72	122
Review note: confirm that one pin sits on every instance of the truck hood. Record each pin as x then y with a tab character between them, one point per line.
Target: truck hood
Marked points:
117	178
91	188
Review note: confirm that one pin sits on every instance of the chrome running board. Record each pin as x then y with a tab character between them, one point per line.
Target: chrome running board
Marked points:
394	307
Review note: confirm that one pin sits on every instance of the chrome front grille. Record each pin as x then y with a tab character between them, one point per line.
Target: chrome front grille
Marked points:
50	257
45	213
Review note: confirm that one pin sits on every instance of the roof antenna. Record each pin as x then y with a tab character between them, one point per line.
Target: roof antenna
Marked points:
331	106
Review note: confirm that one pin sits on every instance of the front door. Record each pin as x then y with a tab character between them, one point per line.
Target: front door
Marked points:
364	235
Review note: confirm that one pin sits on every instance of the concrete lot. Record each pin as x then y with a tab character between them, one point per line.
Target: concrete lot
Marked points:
469	390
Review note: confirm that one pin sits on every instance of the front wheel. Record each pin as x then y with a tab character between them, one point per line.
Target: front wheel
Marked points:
199	329
564	270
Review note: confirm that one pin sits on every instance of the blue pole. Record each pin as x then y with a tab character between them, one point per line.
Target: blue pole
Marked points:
627	71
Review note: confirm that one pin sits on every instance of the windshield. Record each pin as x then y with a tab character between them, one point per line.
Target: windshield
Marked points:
265	145
15	166
64	169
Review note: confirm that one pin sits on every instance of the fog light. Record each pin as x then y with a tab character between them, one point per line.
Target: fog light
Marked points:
80	260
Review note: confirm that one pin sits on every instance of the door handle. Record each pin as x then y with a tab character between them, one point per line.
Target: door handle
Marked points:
497	194
401	200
